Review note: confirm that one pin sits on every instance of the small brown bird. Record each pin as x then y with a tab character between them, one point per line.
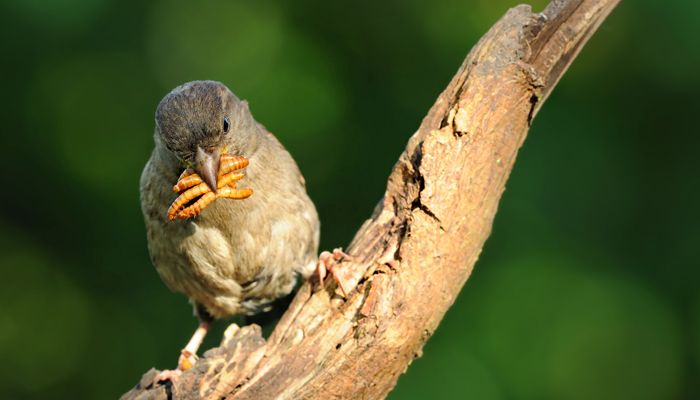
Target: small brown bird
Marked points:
238	255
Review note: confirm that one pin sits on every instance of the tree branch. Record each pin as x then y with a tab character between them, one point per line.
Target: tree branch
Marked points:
412	257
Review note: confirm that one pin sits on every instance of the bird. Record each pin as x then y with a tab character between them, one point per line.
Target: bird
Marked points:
237	256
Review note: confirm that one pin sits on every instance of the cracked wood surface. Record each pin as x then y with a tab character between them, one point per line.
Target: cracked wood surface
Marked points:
414	254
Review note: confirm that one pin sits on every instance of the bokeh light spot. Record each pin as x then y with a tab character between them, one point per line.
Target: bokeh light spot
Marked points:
552	326
101	123
65	15
237	45
44	324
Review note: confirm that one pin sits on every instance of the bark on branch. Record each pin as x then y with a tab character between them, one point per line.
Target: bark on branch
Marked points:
412	257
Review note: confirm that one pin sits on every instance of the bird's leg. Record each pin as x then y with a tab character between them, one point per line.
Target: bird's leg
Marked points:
188	355
328	263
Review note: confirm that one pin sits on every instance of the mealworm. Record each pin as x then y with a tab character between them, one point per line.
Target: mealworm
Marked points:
233	193
229	179
190	186
187	182
230	163
187	172
185	198
199	205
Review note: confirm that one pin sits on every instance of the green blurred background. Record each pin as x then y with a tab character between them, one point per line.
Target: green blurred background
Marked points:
587	288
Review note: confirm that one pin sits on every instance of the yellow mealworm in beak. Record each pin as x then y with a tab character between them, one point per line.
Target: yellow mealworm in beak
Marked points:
190	186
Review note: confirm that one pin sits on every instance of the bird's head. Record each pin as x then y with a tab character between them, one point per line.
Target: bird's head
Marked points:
201	120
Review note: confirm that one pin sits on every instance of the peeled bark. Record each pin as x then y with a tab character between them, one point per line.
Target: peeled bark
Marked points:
414	254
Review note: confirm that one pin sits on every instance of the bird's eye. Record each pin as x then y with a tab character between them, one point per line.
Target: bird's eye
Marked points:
226	124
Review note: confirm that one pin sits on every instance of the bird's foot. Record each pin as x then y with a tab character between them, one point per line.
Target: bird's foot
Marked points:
328	263
171	375
186	361
188	356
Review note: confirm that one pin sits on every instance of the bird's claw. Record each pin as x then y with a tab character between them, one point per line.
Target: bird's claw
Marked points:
188	356
171	375
186	361
328	263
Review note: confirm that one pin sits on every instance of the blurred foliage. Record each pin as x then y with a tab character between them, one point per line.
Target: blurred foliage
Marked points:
587	288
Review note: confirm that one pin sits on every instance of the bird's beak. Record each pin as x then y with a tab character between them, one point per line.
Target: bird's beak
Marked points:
207	166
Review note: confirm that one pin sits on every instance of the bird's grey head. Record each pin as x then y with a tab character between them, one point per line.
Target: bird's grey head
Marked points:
200	120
